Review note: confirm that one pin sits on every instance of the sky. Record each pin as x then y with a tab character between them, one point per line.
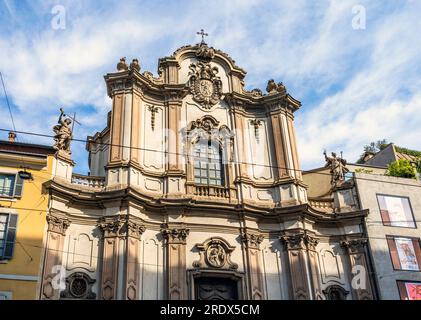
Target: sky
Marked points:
354	65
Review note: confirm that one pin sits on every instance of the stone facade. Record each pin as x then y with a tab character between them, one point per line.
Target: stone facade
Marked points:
146	226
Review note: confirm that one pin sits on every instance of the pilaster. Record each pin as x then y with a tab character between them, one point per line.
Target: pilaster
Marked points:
357	253
56	232
251	243
175	243
302	264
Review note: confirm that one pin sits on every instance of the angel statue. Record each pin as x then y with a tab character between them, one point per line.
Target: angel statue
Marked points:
63	133
337	167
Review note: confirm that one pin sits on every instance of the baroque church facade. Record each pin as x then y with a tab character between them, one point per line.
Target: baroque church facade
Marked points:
195	192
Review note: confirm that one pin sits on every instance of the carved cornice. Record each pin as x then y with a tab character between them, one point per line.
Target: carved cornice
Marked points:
57	224
252	240
354	245
174	235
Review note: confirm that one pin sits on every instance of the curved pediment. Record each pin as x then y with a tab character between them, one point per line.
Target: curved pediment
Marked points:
202	51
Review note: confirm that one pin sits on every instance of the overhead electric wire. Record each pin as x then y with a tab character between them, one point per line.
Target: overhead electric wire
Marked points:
184	154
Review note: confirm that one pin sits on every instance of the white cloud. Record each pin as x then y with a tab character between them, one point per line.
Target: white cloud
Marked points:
355	85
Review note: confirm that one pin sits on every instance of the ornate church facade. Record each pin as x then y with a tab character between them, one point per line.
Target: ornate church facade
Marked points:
195	192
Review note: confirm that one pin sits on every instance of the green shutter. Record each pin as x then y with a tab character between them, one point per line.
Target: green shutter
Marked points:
18	186
10	236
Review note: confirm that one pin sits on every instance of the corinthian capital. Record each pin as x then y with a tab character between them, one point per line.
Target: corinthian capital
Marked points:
135	229
112	227
299	241
57	224
354	245
252	240
293	242
174	235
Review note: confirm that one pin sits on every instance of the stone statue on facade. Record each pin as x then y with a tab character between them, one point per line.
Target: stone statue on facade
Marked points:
337	167
122	65
273	87
63	133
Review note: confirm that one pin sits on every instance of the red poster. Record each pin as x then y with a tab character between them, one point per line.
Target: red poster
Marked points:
413	290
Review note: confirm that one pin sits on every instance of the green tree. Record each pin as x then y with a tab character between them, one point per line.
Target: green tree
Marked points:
373	147
401	168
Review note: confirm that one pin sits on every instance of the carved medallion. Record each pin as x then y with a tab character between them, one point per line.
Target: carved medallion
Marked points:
215	255
205	85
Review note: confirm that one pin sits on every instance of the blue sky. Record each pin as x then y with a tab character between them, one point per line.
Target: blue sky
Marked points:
356	85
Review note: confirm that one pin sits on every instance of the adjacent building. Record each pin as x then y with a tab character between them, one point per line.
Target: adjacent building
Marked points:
392	223
195	192
24	168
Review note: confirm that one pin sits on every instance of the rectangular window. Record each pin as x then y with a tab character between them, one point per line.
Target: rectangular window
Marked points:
409	290
11	185
8	224
396	211
207	164
5	295
405	253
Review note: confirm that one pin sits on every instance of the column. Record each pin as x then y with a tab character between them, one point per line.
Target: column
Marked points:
57	227
299	273
313	262
361	286
175	245
279	146
134	233
174	118
254	269
111	228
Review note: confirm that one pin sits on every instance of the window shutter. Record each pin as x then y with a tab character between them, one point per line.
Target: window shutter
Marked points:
416	243
10	236
385	217
18	186
394	253
402	290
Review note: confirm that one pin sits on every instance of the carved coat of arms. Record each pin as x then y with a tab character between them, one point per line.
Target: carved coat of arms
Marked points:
205	85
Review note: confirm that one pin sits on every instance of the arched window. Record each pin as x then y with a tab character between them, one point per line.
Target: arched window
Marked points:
208	167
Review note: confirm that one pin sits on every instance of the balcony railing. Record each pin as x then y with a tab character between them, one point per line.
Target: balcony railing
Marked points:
88	181
211	191
321	204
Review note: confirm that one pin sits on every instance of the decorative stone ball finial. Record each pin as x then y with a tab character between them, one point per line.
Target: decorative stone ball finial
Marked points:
122	65
135	65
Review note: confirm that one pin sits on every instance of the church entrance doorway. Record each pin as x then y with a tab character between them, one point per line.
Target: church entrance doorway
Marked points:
213	288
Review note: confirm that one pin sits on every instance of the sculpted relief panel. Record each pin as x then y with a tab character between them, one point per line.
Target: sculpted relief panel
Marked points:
151	272
82	248
153	137
259	154
331	265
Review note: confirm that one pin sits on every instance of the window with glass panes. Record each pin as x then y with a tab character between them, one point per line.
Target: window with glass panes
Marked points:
3	229
208	164
7	184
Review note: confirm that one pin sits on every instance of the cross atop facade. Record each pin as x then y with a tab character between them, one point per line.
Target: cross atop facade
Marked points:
203	34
